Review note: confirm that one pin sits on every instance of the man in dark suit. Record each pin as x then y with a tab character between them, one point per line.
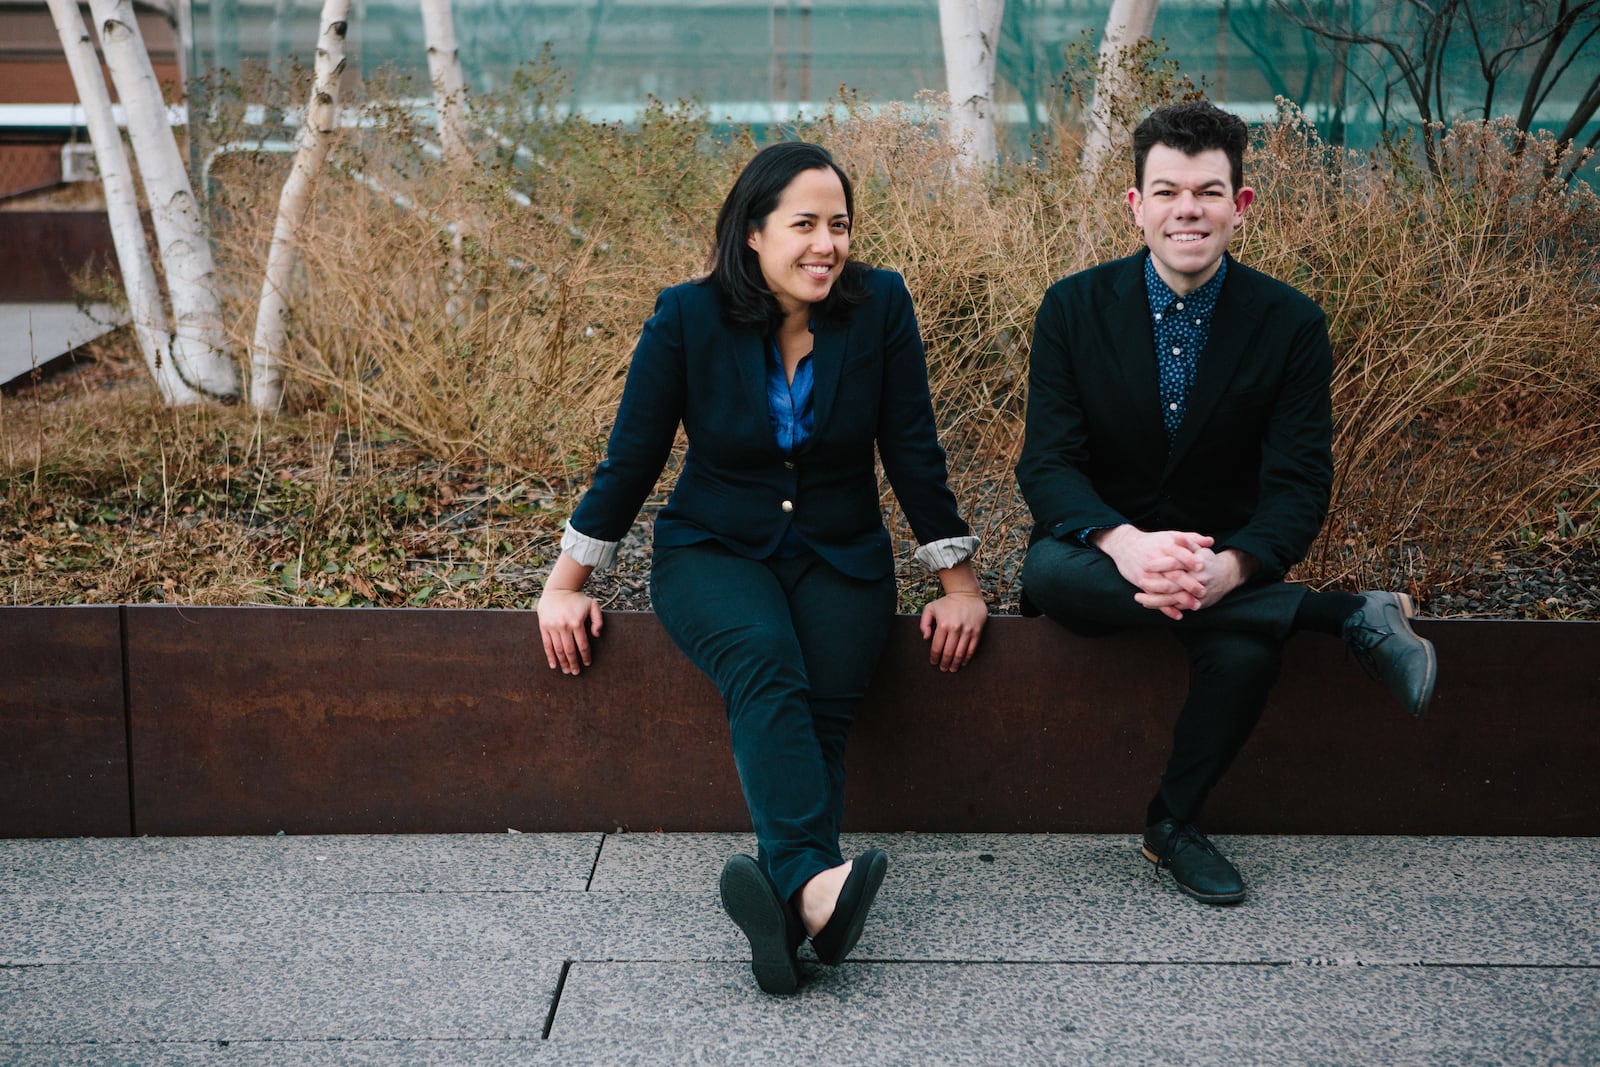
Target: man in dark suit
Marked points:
1178	461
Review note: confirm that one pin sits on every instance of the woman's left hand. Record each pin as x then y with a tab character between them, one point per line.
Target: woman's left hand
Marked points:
953	624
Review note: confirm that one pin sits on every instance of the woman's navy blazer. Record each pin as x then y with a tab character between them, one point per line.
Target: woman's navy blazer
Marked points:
737	487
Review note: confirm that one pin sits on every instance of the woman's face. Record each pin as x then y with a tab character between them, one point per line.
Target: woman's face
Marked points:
802	245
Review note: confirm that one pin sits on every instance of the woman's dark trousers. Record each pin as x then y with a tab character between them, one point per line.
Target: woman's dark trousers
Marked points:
1234	649
791	645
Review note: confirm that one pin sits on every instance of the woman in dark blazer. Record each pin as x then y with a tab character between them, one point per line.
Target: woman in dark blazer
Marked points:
772	571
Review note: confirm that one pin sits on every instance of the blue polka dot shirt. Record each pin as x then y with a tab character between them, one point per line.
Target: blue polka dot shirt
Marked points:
1182	325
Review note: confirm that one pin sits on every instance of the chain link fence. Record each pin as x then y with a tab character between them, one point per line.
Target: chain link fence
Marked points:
28	165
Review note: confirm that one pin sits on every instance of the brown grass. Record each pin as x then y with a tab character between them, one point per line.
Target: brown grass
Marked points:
425	460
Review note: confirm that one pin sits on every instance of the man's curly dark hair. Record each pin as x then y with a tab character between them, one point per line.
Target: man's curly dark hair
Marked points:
1192	128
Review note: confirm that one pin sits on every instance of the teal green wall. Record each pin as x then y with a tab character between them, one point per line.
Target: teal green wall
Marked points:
757	60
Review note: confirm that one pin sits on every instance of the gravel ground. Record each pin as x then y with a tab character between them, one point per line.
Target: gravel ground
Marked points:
1521	585
1549	581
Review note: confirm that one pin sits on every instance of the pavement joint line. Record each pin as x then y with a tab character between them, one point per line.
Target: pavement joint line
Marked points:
595	866
555	1000
932	961
226	1042
127	720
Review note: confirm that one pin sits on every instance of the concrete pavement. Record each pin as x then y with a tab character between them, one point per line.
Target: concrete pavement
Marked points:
612	948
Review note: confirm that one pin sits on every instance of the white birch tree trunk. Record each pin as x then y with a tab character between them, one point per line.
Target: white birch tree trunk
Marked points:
449	85
199	346
280	35
970	30
450	101
316	138
122	205
1128	22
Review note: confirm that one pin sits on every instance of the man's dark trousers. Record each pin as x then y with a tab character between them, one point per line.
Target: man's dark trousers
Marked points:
1234	649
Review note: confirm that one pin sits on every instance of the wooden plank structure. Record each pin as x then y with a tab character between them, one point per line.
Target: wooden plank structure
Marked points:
179	720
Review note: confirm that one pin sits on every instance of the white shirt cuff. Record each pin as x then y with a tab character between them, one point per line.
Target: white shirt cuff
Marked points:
938	555
589	551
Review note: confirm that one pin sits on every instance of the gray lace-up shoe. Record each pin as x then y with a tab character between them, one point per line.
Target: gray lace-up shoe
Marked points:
1381	638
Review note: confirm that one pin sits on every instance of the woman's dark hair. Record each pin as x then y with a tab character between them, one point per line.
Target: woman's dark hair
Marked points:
735	268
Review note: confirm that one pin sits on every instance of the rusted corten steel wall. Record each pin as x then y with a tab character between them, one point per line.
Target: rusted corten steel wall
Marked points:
63	725
334	720
256	720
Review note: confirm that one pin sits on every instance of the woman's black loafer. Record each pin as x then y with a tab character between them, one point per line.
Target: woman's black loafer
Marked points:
753	904
834	941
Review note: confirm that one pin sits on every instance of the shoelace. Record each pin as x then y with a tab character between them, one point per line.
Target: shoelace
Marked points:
1184	835
1363	642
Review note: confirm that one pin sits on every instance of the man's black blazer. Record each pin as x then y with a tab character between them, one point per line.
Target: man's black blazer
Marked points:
736	486
1251	464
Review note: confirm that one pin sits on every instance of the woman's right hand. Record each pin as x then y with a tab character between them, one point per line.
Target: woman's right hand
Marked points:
567	619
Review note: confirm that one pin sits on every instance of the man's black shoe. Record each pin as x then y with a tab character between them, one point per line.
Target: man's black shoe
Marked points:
1381	637
1196	865
753	904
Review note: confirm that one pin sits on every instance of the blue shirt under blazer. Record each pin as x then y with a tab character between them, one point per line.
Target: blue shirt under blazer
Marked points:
737	487
1251	464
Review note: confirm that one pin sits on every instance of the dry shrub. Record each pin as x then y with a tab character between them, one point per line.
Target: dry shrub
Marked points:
1464	393
105	492
109	496
566	232
1462	315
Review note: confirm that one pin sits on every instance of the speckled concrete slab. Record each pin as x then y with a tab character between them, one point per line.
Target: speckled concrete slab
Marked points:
330	1052
1167	928
310	1001
1098	1013
1094	899
402	863
196	927
1030	864
1007	864
983	948
1000	898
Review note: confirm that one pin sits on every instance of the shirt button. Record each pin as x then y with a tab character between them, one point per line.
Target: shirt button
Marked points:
1172	407
1177	351
1180	305
787	505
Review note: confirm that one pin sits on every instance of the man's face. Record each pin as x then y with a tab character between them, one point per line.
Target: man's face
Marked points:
1188	210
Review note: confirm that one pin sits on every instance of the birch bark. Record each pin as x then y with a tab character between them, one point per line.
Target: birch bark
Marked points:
1126	24
316	138
450	101
449	85
970	31
199	347
280	35
122	205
